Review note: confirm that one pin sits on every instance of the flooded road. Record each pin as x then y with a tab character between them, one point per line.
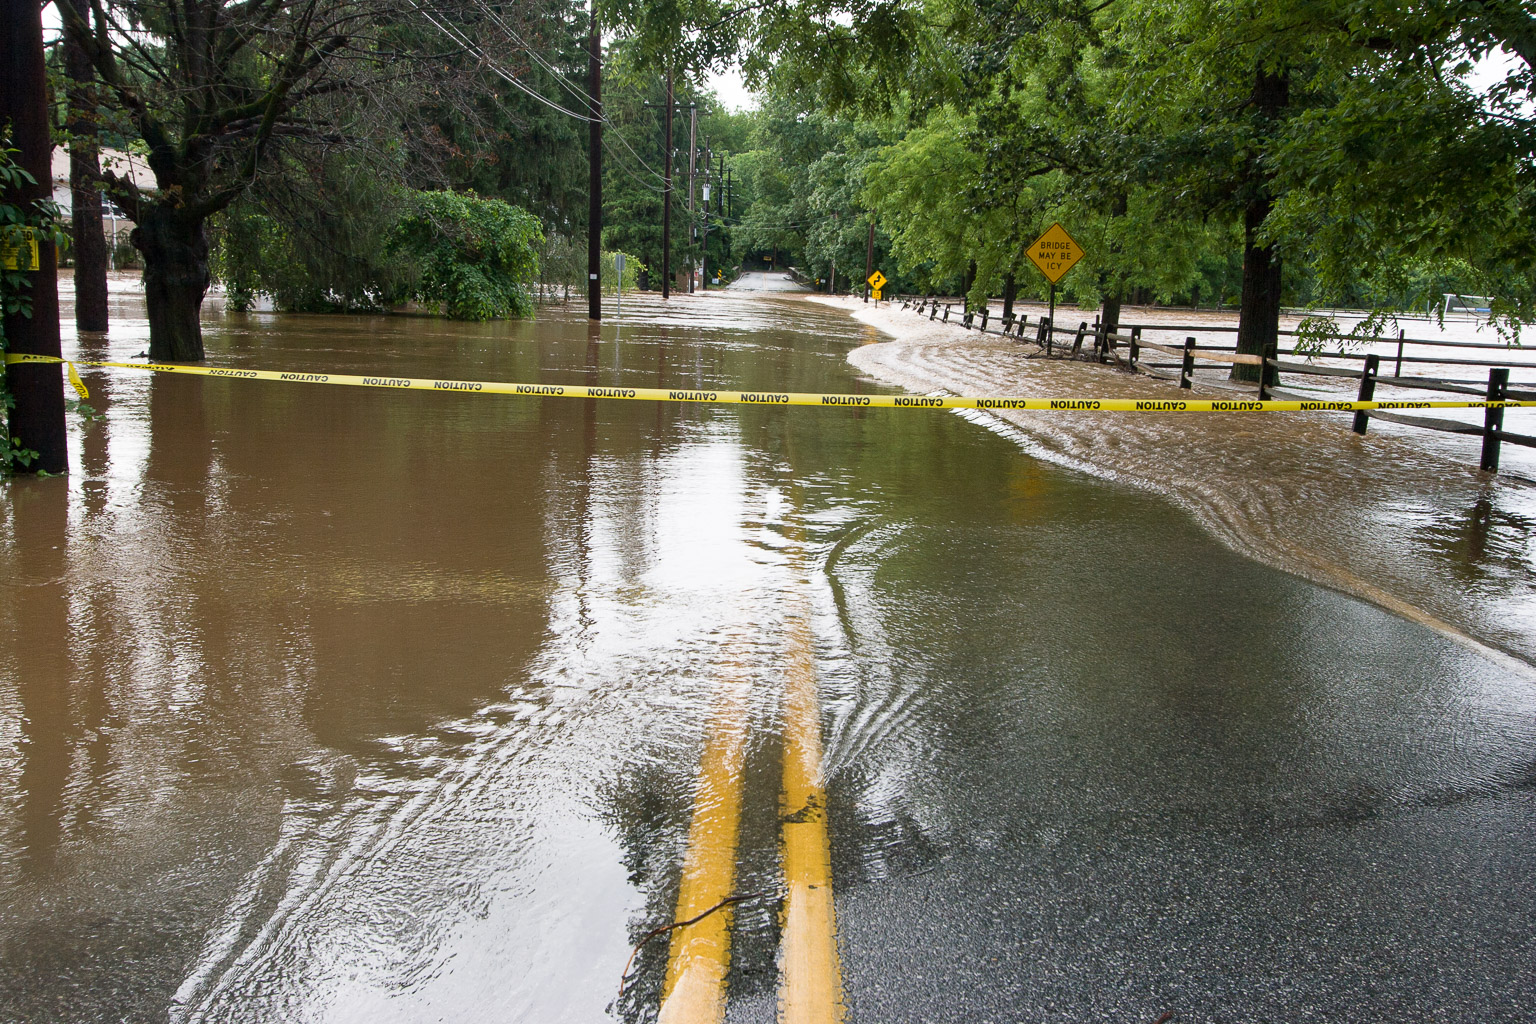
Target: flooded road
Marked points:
339	704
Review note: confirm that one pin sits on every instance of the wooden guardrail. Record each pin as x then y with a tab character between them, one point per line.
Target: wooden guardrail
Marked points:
1126	350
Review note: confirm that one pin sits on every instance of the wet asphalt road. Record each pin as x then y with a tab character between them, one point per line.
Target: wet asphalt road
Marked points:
355	706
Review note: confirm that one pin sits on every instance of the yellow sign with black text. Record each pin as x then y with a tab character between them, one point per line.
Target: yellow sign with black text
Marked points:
877	280
1055	253
24	256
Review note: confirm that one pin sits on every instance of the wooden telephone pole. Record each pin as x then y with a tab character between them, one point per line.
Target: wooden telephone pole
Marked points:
595	173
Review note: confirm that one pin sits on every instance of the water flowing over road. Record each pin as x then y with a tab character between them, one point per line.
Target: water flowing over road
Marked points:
350	705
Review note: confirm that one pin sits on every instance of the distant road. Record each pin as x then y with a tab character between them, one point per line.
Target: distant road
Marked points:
766	281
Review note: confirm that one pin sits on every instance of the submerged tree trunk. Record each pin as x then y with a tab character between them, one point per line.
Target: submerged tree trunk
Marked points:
175	249
1110	318
1258	325
1010	292
90	243
967	285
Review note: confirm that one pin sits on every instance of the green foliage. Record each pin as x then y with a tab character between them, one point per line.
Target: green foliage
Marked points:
473	258
314	240
632	270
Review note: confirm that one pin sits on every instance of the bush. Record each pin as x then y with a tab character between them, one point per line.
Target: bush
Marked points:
474	257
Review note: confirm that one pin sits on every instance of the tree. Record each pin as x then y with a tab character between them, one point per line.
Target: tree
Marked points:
89	242
216	88
474	257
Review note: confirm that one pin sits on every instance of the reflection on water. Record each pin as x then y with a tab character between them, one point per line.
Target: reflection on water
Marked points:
339	705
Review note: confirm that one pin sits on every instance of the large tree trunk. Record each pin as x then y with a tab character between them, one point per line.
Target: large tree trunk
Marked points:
1258	325
1110	318
175	249
1010	292
90	243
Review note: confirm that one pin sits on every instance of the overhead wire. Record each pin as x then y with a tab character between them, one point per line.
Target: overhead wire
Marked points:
510	79
594	106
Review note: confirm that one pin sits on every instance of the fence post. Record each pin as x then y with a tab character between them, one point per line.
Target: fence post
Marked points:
1135	347
1493	418
933	310
946	312
1367	391
1187	371
985	312
1023	323
1399	371
1049	324
1077	342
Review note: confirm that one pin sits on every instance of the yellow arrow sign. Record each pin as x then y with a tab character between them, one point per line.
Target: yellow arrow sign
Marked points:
1055	253
877	280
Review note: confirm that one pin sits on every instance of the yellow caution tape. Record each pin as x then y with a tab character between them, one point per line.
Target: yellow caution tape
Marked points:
76	383
719	397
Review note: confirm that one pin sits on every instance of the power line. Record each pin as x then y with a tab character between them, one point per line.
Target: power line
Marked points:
474	48
459	37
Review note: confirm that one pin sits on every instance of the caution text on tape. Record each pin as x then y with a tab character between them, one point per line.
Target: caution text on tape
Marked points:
721	397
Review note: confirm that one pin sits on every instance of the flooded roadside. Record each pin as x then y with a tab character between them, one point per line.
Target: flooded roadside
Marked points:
1399	517
372	706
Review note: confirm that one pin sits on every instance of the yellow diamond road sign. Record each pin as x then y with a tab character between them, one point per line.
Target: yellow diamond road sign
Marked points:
877	280
1055	253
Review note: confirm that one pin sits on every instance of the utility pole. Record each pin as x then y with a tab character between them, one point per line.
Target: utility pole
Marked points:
595	172
37	418
869	258
666	199
704	215
693	152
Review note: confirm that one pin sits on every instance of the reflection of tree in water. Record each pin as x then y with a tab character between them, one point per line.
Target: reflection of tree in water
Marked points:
648	808
1484	543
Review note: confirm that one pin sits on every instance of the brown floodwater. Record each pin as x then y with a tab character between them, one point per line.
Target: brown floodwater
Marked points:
333	704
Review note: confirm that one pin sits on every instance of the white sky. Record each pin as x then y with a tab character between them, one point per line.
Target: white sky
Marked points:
732	91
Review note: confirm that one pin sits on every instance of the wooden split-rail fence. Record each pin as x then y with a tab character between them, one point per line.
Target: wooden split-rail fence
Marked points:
1129	350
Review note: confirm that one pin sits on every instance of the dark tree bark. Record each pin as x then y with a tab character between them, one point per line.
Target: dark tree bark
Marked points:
1010	292
37	417
1110	318
1258	325
175	248
966	285
90	242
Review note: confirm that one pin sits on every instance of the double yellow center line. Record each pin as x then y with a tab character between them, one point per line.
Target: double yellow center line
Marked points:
810	978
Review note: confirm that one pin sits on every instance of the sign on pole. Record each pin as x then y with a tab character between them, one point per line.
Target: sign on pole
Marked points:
25	256
877	281
1055	253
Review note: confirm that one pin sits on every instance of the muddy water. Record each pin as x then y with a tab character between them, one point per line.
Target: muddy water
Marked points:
346	705
1401	517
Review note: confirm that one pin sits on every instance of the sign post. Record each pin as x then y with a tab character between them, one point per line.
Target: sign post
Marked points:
618	302
877	281
1055	253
